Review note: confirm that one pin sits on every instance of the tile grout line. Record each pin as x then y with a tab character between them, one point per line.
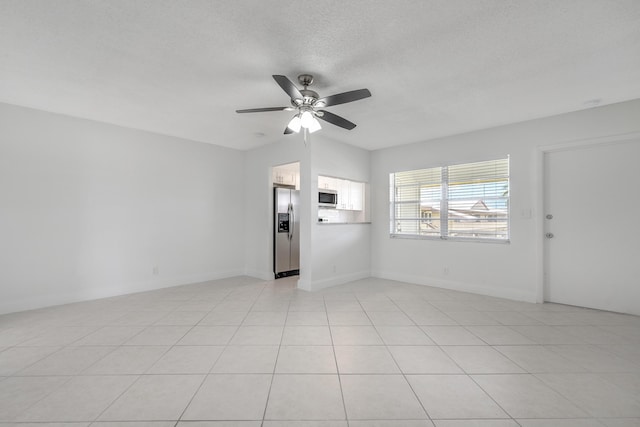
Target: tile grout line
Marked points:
335	360
139	376
69	378
275	365
229	293
153	364
460	367
205	376
394	359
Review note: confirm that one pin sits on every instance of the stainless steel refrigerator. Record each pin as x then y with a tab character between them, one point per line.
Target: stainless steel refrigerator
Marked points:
286	232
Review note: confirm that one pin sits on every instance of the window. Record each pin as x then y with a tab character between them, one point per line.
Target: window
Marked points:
467	202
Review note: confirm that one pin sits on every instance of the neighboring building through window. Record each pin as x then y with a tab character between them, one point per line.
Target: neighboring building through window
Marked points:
465	201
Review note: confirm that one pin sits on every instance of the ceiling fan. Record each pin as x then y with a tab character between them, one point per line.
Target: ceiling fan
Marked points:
308	105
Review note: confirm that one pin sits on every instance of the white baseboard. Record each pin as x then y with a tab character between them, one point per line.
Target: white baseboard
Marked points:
305	285
40	301
262	275
499	292
317	285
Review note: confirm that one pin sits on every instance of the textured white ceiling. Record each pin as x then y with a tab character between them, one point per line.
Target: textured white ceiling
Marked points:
434	68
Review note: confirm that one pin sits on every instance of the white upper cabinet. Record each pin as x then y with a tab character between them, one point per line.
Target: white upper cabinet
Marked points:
327	183
343	194
287	175
356	195
350	193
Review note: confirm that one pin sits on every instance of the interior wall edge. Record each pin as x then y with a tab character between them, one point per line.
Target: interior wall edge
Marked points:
304	284
262	275
317	285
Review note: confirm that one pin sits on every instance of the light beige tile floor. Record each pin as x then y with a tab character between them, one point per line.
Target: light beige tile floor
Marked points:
241	352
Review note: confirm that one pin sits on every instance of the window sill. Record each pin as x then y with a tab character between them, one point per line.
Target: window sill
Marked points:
449	239
340	223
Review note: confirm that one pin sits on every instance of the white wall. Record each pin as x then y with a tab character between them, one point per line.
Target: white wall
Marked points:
507	270
341	252
88	210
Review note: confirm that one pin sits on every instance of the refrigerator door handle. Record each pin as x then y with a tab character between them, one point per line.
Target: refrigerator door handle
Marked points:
291	221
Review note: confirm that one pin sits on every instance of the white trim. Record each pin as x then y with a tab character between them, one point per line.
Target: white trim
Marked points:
541	150
337	280
539	225
305	285
588	142
444	201
80	295
449	239
498	292
262	275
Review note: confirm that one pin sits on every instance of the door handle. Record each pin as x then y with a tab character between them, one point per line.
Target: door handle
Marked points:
291	220
549	235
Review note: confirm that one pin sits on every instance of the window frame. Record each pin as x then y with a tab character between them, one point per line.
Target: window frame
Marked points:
443	220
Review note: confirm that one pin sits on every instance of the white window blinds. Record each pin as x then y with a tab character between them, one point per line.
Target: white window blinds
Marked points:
465	201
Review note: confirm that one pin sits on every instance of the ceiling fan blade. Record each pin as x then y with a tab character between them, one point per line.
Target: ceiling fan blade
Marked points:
336	120
288	86
287	131
343	98
262	110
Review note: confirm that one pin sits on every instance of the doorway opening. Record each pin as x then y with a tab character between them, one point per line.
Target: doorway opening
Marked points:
286	220
591	232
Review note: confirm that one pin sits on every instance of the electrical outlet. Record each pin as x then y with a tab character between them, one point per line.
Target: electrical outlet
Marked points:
334	269
445	271
156	270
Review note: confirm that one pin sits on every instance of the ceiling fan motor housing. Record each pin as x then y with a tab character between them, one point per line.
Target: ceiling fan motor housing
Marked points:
305	79
309	96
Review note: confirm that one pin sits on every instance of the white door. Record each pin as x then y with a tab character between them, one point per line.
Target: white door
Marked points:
592	226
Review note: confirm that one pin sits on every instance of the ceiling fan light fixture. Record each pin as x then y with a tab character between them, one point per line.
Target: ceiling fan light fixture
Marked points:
315	125
306	119
295	123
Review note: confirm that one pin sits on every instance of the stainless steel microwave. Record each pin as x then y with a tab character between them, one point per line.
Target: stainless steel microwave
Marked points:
327	198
